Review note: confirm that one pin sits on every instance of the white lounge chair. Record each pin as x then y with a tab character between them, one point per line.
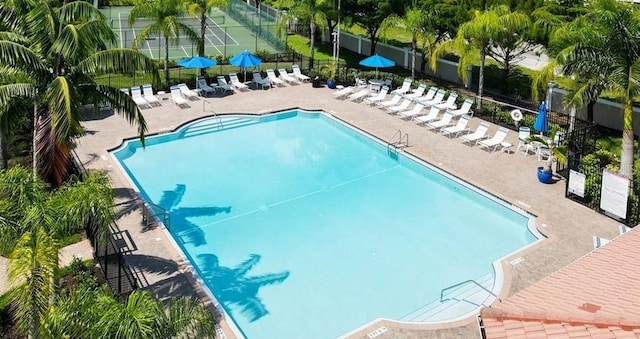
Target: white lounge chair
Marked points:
343	92
464	109
391	102
445	121
147	94
431	116
479	134
417	92
287	77
136	95
458	128
359	96
274	79
405	88
399	108
524	145
177	97
223	85
298	74
416	111
450	103
428	96
236	83
258	80
187	92
204	87
494	142
435	100
378	97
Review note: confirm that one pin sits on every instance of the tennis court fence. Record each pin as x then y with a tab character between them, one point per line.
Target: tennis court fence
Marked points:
259	18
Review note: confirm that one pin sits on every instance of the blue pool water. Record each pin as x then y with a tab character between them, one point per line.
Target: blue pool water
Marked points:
304	228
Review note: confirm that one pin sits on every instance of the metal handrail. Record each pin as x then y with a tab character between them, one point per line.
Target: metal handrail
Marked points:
150	212
399	143
465	282
211	111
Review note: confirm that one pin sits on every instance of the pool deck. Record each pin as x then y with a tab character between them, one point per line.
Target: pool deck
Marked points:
509	176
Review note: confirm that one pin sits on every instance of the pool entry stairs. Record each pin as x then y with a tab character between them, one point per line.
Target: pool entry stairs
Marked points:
218	123
461	298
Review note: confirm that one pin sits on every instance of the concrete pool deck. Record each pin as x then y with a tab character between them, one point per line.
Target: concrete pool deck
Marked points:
509	176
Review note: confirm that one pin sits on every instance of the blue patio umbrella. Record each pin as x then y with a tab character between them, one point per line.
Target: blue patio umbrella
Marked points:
541	124
197	62
244	60
377	61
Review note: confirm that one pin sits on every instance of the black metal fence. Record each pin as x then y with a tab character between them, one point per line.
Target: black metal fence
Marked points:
107	250
262	20
107	253
583	158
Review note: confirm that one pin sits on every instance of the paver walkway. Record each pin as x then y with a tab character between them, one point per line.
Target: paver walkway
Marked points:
512	177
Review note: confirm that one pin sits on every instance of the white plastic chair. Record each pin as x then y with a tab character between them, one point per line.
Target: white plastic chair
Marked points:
274	79
298	73
458	128
286	77
432	115
236	83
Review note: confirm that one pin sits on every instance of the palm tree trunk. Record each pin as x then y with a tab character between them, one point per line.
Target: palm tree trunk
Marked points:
312	27
166	61
203	28
483	56
414	45
34	141
3	152
626	158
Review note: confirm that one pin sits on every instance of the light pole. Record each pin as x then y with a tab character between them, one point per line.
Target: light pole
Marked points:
337	39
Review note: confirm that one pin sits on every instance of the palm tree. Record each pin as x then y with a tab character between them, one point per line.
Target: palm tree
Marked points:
142	316
601	50
59	49
32	266
418	21
308	10
33	219
165	15
478	35
201	8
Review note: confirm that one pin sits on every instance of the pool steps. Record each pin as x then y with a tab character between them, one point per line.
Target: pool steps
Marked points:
218	124
460	300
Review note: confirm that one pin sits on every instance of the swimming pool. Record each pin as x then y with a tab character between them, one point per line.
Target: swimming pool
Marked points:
302	227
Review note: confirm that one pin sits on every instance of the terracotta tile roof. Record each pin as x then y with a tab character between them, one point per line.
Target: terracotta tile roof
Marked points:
597	296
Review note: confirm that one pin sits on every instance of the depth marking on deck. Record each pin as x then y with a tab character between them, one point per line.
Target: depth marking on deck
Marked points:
377	332
523	203
516	261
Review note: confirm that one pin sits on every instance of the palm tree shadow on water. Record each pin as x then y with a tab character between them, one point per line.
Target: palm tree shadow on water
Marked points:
184	230
233	286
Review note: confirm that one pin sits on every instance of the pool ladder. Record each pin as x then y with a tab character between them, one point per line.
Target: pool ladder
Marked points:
152	213
397	142
211	112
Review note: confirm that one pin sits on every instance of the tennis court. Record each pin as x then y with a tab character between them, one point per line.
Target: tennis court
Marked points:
224	36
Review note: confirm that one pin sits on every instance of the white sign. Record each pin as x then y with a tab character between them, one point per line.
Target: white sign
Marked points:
576	183
615	191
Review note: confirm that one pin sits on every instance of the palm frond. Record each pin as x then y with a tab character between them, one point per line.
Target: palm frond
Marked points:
79	11
20	57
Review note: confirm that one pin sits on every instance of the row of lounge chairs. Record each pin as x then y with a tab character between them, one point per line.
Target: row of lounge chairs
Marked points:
142	96
427	111
257	81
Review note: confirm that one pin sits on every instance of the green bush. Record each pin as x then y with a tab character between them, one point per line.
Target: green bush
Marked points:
591	167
